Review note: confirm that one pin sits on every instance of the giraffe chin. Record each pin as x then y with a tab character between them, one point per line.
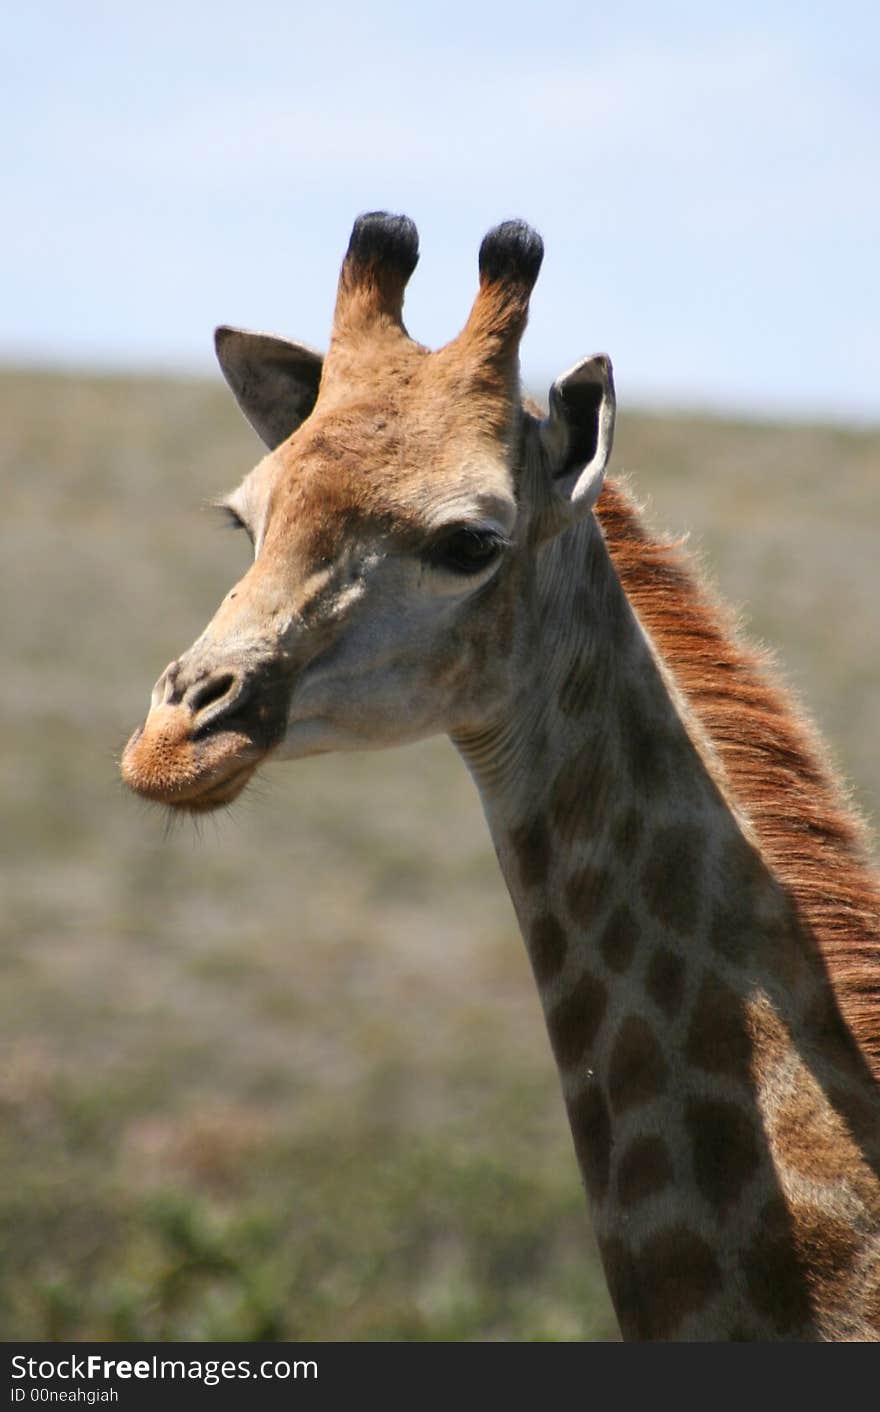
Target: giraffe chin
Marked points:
215	796
162	762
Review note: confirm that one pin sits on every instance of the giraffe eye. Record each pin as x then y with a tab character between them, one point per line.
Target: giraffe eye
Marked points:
464	550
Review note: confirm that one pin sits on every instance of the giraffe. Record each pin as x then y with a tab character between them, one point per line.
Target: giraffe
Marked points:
431	554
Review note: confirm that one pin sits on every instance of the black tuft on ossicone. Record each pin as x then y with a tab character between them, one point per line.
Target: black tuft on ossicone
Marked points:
380	239
511	251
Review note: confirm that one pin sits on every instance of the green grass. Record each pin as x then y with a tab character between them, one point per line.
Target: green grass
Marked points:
287	1077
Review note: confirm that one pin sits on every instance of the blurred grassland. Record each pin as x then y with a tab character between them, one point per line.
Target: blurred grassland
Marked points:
285	1076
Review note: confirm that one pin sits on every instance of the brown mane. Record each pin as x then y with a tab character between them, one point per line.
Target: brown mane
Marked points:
775	763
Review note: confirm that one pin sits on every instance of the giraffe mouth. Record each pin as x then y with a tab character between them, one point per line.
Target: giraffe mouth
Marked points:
219	794
166	762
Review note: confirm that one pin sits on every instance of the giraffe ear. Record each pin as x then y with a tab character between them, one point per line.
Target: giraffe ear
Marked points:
578	431
275	382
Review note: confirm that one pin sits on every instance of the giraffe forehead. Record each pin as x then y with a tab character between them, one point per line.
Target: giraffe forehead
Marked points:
369	470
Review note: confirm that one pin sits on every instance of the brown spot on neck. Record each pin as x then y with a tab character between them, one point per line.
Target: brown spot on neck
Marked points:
645	1168
590	1124
725	1150
580	690
531	847
586	891
582	793
672	1276
547	947
672	877
626	835
638	1070
664	980
619	939
574	1022
718	1040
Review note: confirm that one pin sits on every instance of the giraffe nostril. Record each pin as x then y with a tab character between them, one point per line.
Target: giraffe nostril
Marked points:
211	692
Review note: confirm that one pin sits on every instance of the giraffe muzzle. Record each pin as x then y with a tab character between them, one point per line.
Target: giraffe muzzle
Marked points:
204	736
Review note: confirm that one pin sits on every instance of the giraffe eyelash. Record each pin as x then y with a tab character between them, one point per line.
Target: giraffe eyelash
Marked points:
234	520
466	549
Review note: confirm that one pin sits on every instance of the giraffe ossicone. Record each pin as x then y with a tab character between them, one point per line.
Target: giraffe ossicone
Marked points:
696	899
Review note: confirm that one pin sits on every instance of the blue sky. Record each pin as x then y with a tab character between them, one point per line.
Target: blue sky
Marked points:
705	179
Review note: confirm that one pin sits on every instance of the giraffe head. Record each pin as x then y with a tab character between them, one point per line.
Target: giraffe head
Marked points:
405	495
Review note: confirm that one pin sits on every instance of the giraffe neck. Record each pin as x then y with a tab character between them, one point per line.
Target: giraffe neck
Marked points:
722	1116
